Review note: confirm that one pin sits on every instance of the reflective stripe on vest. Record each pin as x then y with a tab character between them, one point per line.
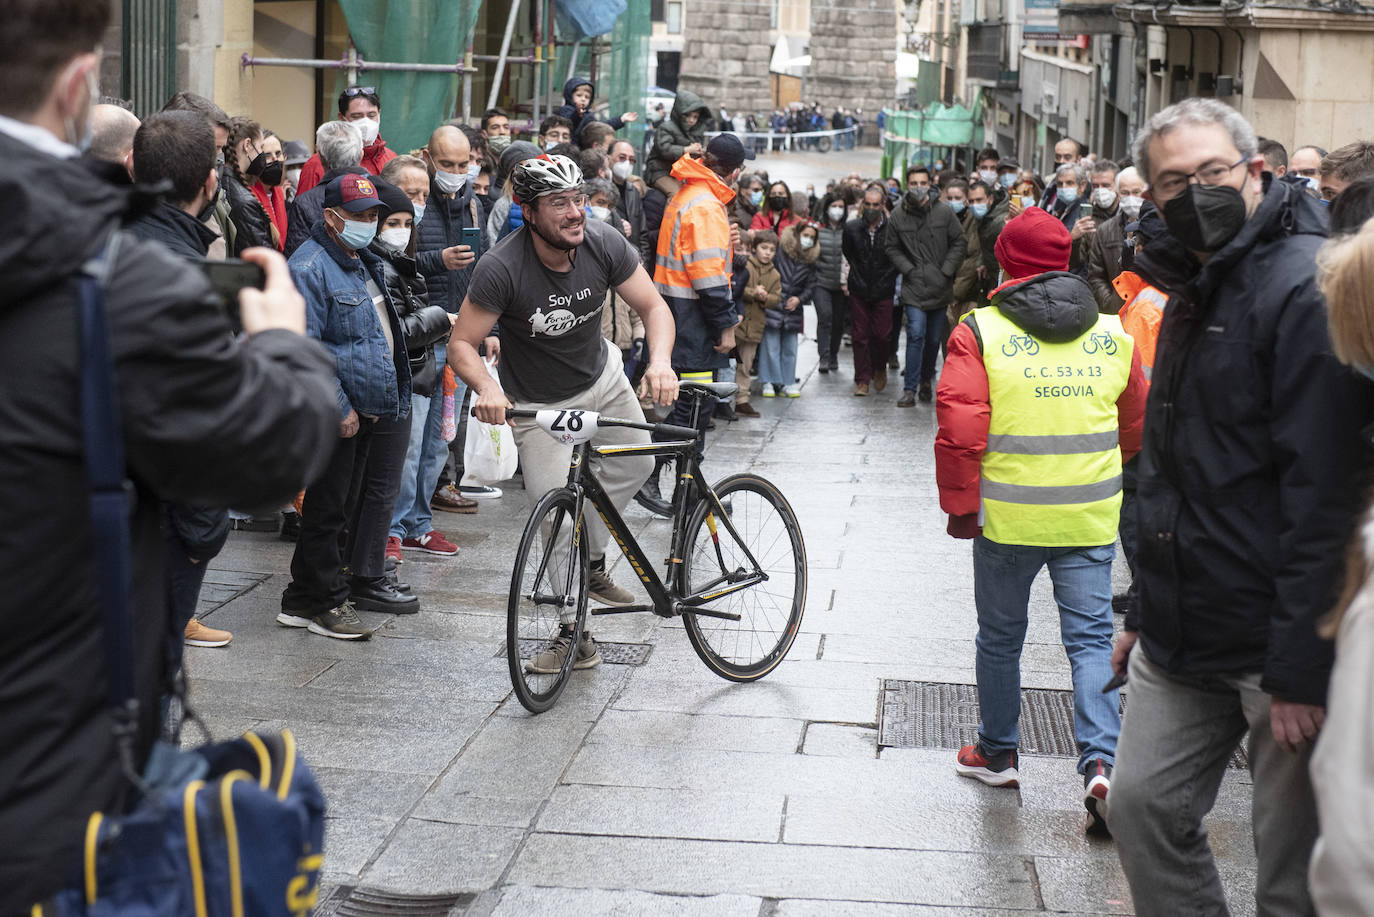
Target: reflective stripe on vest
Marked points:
1051	473
682	274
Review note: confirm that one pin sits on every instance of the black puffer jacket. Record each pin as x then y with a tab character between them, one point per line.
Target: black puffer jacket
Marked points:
927	245
422	324
251	224
831	257
205	420
872	275
1252	466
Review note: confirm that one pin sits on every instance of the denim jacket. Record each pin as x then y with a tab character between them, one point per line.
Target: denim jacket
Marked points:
339	314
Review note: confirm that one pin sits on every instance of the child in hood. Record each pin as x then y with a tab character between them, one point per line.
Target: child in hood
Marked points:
578	94
682	132
762	291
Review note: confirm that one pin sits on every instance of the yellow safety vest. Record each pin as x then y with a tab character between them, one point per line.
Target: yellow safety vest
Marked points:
1051	473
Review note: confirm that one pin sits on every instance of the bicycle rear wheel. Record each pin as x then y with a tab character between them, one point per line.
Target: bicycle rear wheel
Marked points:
761	523
548	585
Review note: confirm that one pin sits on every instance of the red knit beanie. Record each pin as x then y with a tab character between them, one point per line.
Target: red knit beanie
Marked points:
1033	243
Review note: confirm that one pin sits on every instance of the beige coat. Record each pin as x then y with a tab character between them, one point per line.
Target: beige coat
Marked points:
620	324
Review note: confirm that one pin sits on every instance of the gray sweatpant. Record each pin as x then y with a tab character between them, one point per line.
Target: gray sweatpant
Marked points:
545	461
1176	739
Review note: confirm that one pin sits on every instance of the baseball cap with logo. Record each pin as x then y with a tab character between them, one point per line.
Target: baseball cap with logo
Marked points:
352	192
728	151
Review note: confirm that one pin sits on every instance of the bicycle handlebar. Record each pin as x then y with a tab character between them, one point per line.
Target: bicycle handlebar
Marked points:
664	430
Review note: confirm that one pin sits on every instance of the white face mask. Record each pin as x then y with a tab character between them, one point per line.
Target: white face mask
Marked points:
600	213
369	129
450	182
1104	197
836	214
621	170
1132	204
474	169
988	176
419	212
806	241
1027	203
293	176
396	238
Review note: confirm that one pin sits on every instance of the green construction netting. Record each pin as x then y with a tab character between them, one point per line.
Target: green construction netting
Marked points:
411	31
921	136
622	72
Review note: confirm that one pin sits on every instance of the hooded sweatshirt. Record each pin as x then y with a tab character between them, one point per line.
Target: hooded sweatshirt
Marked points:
581	119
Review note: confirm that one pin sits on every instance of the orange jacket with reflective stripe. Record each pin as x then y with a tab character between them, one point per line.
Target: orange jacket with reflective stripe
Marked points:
1142	315
694	252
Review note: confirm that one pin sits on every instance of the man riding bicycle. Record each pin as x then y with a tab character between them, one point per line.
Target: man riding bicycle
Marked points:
545	284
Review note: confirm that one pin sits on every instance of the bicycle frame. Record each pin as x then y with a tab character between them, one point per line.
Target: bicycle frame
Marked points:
667	600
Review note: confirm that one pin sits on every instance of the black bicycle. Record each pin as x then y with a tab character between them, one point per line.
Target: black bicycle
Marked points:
736	570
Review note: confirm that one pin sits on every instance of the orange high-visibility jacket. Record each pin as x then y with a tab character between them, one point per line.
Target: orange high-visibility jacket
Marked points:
1142	315
694	252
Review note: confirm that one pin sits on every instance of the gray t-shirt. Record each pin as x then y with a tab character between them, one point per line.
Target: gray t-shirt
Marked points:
550	321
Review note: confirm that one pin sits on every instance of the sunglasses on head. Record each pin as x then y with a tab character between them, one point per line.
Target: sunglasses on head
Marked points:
353	91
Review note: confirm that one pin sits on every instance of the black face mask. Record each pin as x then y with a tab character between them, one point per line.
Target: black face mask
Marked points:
273	173
777	203
208	210
257	165
872	216
917	197
1205	217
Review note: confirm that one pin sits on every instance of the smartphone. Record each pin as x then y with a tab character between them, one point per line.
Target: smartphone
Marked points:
472	238
1118	679
226	279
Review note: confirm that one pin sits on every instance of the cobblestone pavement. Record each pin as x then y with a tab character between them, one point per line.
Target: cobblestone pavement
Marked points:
661	789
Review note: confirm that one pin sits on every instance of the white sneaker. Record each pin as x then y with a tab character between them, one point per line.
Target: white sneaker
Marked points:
792	391
479	491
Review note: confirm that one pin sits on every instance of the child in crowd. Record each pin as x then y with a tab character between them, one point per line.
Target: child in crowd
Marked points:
796	263
578	93
762	291
683	132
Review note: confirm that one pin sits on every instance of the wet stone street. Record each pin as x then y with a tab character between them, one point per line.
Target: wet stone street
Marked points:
655	787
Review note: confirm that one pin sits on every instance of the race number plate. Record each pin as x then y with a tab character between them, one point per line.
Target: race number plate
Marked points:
570	427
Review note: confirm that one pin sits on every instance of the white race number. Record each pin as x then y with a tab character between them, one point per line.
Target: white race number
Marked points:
570	427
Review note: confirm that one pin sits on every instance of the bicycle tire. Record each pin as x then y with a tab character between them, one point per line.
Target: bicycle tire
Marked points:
825	144
770	612
552	555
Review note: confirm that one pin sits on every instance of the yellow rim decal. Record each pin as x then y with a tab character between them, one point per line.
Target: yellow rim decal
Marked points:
188	805
231	836
711	523
37	910
288	766
264	759
92	836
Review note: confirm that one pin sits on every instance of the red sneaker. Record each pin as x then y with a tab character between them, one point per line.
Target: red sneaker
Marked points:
393	548
431	543
998	770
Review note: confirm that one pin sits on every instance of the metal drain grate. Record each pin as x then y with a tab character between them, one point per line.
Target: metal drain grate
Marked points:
363	902
923	714
611	653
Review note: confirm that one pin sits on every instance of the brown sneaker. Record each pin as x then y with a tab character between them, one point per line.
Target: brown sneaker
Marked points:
197	634
745	409
860	389
908	400
880	379
450	500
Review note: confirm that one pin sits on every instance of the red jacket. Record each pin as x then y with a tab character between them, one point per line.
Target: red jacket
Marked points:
374	158
963	411
274	202
764	220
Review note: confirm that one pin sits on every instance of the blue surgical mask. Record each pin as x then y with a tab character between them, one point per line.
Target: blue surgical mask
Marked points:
956	206
1313	183
1007	179
979	210
756	197
356	235
419	212
1067	196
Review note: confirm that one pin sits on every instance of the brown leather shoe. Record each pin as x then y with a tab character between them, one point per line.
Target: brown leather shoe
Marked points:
450	500
860	389
880	379
745	409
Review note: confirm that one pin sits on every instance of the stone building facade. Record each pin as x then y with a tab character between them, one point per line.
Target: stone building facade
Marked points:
725	56
853	54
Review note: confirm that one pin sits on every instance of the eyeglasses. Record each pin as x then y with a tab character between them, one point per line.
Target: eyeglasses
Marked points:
354	91
576	202
1214	173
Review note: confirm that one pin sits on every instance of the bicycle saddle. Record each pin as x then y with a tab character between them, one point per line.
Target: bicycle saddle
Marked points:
714	389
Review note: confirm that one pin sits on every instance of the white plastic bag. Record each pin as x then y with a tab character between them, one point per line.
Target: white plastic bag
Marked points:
489	449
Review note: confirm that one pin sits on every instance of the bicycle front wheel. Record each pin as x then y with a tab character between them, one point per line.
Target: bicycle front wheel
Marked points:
718	551
548	589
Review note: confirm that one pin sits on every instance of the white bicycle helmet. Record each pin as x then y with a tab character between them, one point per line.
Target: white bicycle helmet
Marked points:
535	178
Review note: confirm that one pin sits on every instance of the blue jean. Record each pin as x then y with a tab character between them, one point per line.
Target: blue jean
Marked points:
1082	579
924	332
778	357
425	457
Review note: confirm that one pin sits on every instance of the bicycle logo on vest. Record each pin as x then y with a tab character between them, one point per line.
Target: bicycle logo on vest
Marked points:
1100	340
1019	342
